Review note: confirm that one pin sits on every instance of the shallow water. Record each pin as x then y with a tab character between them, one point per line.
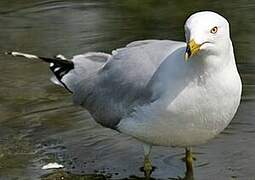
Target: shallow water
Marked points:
39	124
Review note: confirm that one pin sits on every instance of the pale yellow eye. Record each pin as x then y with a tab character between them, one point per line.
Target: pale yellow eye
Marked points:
214	30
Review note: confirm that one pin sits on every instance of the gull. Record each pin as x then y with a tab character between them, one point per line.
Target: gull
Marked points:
161	92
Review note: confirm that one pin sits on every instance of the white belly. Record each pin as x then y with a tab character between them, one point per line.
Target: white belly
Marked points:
192	117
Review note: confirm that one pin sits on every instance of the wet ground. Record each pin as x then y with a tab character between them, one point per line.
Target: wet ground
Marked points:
39	124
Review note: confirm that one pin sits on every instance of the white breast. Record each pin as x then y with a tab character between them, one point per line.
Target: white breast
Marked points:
193	116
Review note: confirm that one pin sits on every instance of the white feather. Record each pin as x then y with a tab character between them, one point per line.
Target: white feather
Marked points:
29	56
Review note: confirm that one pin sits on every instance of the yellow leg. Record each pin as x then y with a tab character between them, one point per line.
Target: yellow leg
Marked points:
147	163
188	161
147	167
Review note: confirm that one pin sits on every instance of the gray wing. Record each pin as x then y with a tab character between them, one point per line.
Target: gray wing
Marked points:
84	66
111	88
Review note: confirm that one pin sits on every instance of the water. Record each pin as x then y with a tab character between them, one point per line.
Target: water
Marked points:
39	124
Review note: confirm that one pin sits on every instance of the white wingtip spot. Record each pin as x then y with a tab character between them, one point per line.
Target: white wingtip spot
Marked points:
60	56
51	64
56	69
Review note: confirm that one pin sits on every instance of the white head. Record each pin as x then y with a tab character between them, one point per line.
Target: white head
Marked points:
208	32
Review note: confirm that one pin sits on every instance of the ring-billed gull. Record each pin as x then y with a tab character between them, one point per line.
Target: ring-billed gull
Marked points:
160	92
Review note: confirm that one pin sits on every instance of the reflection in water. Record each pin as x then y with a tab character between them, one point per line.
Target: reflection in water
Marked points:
39	125
60	175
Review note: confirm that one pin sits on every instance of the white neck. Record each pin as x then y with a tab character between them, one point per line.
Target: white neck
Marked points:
215	62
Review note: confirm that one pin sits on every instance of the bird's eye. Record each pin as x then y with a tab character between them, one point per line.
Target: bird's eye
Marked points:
214	30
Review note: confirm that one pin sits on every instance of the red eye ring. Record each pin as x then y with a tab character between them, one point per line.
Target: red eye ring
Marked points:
214	30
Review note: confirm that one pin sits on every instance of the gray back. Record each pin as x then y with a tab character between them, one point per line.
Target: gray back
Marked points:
111	92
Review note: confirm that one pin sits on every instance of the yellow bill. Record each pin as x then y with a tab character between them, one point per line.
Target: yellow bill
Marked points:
192	49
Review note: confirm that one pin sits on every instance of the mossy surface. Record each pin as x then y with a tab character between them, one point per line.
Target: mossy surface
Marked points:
61	175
